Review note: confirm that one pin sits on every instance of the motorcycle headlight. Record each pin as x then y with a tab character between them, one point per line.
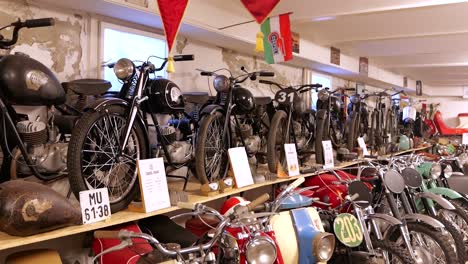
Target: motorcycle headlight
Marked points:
463	158
124	69
323	246
323	95
221	83
436	170
354	99
448	171
261	250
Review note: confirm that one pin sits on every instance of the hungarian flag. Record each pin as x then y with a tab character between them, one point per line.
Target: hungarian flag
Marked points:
277	40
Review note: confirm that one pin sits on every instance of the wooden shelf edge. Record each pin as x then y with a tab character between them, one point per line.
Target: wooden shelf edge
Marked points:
7	241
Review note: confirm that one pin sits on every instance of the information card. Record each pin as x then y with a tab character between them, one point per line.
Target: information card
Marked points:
240	166
153	184
291	159
328	154
94	205
363	146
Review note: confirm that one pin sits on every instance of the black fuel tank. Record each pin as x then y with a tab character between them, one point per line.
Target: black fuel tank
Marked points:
25	81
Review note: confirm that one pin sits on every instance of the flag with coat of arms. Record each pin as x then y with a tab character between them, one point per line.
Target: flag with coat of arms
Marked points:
277	40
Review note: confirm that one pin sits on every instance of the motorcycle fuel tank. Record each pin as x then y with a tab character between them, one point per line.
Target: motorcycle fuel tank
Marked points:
25	81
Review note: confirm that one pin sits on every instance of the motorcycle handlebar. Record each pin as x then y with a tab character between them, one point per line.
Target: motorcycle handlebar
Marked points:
266	74
204	73
187	57
41	22
107	234
260	200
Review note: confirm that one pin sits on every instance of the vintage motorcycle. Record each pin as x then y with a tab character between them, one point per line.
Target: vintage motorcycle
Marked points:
113	134
221	126
291	123
36	143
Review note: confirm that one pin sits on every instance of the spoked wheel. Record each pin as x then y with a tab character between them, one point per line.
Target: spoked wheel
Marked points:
211	153
353	131
308	133
321	131
276	139
459	217
392	252
94	158
430	245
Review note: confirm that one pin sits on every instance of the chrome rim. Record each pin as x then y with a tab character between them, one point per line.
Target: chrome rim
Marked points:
426	249
101	164
215	150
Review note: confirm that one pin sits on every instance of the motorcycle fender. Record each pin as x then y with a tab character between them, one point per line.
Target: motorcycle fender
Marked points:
415	218
294	231
321	114
436	198
210	109
451	194
387	218
102	103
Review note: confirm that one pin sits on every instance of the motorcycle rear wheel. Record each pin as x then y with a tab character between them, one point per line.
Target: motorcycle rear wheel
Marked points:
94	141
276	141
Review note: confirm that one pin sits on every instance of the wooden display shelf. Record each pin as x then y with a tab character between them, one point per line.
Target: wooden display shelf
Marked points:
194	196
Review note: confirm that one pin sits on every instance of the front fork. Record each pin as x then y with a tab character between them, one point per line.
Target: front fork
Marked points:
131	119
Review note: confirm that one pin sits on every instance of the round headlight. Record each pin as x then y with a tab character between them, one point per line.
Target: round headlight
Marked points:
124	69
436	170
221	83
323	246
323	95
261	250
448	171
354	99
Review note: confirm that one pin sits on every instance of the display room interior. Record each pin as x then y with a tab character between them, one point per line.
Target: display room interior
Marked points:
233	131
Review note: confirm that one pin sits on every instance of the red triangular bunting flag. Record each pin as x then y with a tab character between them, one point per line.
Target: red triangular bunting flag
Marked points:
260	9
172	12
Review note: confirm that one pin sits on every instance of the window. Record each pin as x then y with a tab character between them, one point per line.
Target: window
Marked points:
122	42
325	81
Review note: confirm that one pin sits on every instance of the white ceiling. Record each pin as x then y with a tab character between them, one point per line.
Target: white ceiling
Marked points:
422	39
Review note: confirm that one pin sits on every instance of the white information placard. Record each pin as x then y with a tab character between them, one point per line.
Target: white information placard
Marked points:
465	139
240	166
94	205
363	146
291	159
153	184
328	154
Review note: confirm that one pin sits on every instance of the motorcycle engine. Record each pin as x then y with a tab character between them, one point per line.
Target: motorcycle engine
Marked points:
252	142
179	150
300	138
49	155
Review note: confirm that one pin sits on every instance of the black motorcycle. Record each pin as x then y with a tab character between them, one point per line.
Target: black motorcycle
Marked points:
113	134
292	123
221	126
36	145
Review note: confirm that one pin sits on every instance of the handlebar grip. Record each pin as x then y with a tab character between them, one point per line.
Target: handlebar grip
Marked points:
187	57
371	156
107	234
266	74
297	182
266	82
41	22
263	198
186	205
354	197
204	73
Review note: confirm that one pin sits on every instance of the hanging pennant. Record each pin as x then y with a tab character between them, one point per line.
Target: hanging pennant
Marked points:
172	12
277	40
260	9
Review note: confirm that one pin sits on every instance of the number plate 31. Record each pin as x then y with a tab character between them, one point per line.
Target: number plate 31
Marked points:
286	96
347	230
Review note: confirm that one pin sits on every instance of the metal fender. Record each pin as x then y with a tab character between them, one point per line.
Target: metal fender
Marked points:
387	218
321	114
451	194
210	109
414	218
295	231
446	204
102	103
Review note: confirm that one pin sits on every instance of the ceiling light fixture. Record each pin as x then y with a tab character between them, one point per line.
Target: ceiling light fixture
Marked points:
326	18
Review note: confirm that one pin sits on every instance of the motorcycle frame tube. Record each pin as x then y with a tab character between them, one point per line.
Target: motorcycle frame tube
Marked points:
360	216
9	122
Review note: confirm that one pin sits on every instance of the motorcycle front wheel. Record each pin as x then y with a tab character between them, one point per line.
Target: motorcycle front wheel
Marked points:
395	253
211	153
94	160
276	141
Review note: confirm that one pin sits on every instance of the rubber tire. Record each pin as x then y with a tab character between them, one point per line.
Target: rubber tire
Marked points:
461	208
457	238
319	137
205	122
352	133
442	240
400	253
278	119
77	183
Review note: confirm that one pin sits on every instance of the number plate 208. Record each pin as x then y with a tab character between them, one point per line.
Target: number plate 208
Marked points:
94	205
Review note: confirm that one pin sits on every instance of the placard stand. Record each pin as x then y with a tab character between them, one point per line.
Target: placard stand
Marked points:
209	189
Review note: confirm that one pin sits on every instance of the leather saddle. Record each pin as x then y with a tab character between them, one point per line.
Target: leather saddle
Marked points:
262	100
197	97
87	86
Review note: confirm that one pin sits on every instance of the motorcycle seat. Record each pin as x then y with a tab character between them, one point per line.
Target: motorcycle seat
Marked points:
446	130
87	86
262	100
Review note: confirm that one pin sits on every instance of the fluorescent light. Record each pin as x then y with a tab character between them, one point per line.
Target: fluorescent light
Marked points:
324	18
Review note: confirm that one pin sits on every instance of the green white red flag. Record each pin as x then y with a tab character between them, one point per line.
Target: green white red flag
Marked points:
277	40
